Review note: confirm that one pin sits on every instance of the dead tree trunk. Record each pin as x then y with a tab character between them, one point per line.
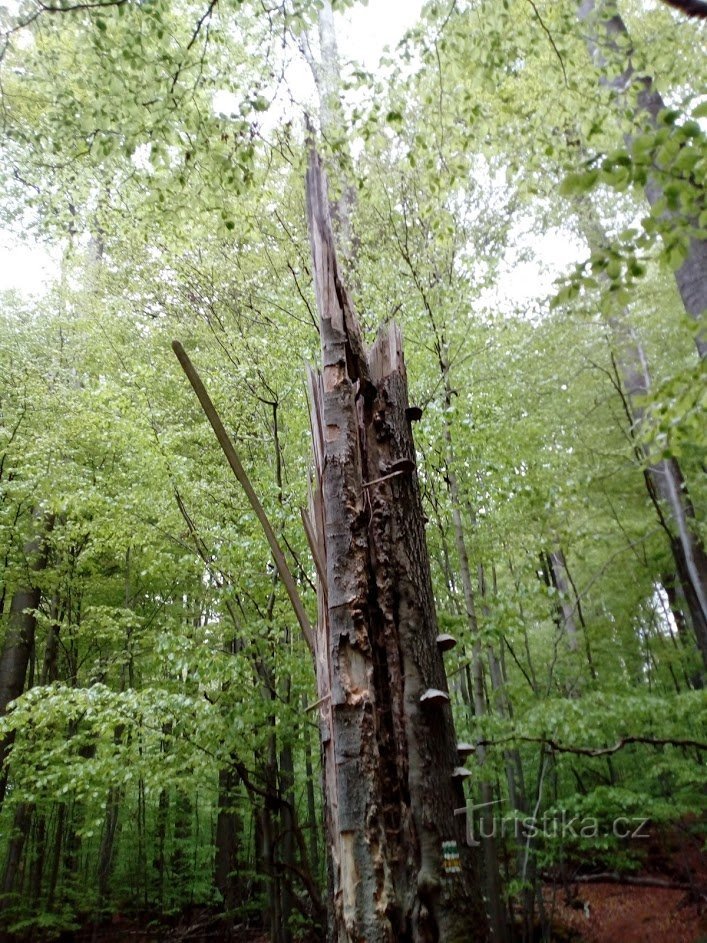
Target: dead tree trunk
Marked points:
388	737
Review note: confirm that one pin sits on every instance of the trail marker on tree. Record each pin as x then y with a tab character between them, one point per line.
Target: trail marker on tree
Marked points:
389	756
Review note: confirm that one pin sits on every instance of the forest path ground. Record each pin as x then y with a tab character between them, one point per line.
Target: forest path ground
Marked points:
619	913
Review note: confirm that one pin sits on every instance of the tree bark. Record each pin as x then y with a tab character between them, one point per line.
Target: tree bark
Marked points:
388	755
19	640
608	42
666	486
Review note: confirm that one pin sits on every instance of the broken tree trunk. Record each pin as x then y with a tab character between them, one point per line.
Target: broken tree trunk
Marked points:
389	754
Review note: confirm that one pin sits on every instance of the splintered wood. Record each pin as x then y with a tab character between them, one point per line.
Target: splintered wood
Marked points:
390	751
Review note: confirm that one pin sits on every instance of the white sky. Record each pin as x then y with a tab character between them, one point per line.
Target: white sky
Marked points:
363	33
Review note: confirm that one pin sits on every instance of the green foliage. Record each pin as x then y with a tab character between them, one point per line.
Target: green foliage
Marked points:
168	682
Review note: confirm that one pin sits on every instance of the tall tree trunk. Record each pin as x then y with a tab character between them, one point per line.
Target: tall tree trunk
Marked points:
497	915
19	639
228	827
664	479
569	615
387	729
287	855
160	859
107	848
180	862
666	486
609	44
56	856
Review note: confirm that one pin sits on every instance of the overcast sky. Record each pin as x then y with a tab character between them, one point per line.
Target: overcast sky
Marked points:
363	32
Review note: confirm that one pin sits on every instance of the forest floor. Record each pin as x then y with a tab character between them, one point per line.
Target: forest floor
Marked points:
597	912
617	913
613	912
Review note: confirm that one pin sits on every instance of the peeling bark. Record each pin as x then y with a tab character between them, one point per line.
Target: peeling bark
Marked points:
388	758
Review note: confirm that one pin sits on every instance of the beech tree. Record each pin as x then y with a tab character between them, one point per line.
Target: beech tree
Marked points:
161	712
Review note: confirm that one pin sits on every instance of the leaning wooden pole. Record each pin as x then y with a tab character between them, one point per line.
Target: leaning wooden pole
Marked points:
392	770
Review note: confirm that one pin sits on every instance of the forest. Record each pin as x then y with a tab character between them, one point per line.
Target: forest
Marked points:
379	613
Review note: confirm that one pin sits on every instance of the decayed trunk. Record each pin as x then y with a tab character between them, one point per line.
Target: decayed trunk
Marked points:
608	42
389	752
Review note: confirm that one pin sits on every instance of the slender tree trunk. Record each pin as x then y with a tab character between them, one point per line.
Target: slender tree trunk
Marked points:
387	729
664	479
180	860
609	44
497	916
25	813
107	848
57	853
37	863
568	608
21	824
160	860
19	639
312	820
287	849
666	486
228	828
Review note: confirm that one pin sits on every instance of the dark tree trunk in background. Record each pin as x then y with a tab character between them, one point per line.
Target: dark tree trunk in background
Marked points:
389	754
19	639
228	829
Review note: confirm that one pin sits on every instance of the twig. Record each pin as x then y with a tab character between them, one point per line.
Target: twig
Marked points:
549	36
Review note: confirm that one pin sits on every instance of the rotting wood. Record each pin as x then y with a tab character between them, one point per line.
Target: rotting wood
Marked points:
389	760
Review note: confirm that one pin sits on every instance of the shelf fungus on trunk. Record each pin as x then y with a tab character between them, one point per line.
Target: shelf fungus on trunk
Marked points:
445	643
389	791
434	697
465	750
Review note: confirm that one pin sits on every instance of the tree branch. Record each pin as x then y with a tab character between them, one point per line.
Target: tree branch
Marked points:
555	747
